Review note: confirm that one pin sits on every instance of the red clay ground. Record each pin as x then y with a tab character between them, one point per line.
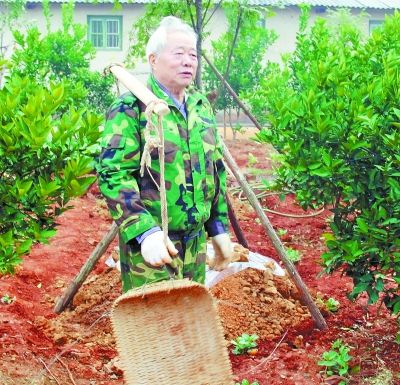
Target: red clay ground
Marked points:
77	347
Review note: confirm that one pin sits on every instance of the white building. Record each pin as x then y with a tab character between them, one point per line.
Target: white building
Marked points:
109	29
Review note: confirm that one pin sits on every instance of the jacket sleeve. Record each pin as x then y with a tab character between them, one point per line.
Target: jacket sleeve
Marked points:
218	221
118	169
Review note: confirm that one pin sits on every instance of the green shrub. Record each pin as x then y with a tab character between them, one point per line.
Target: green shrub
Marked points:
46	152
335	116
65	55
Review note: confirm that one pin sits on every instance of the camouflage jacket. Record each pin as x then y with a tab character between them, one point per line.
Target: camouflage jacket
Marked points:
194	172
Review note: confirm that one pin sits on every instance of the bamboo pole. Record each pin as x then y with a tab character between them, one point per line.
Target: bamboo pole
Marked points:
74	286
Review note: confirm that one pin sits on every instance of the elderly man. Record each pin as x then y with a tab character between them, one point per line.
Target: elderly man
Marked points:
194	171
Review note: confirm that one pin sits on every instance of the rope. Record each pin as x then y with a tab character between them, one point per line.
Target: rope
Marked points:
238	191
154	138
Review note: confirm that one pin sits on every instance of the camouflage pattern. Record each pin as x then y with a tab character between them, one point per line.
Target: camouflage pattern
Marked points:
194	173
190	262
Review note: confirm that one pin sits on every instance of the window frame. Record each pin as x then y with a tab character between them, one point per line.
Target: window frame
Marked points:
104	19
374	23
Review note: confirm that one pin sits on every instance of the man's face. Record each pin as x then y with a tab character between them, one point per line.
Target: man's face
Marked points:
175	66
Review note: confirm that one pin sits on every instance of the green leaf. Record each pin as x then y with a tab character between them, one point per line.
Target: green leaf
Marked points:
361	287
24	247
362	225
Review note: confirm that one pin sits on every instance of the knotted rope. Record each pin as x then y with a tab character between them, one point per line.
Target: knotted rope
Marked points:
154	138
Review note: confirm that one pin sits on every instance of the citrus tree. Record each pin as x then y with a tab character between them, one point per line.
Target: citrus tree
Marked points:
239	53
48	132
46	153
334	115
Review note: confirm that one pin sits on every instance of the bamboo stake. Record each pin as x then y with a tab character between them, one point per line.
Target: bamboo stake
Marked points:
74	286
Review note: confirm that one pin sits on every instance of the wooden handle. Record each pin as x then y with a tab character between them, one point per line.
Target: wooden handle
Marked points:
138	89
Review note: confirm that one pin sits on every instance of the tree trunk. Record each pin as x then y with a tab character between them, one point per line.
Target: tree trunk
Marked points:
230	122
233	93
224	123
199	29
234	132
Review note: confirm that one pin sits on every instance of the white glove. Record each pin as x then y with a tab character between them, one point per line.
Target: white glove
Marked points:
154	251
223	251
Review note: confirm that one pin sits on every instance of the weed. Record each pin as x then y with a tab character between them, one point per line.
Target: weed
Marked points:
6	299
332	305
251	160
244	343
336	360
281	232
246	382
293	255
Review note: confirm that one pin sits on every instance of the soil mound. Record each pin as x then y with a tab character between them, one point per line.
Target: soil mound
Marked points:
88	320
250	301
259	302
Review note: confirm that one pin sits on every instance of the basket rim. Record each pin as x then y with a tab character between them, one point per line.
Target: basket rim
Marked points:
165	286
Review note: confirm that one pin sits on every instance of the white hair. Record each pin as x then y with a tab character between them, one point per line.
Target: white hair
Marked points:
158	39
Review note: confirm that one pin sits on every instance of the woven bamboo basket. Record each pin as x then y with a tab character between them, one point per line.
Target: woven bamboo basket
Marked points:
169	333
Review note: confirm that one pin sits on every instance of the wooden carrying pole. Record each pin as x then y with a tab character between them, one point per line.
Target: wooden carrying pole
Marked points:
129	81
137	88
235	224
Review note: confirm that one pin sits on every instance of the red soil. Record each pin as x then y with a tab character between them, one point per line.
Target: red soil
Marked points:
77	347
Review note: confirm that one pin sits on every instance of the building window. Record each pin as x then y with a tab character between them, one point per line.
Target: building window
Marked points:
105	32
374	24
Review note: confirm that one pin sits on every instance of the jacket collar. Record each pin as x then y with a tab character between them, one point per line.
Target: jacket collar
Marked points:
192	96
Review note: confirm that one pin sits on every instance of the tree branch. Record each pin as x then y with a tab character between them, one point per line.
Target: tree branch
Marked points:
206	9
212	13
188	2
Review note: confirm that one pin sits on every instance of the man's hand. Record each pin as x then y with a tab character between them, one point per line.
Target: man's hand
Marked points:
223	251
155	252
